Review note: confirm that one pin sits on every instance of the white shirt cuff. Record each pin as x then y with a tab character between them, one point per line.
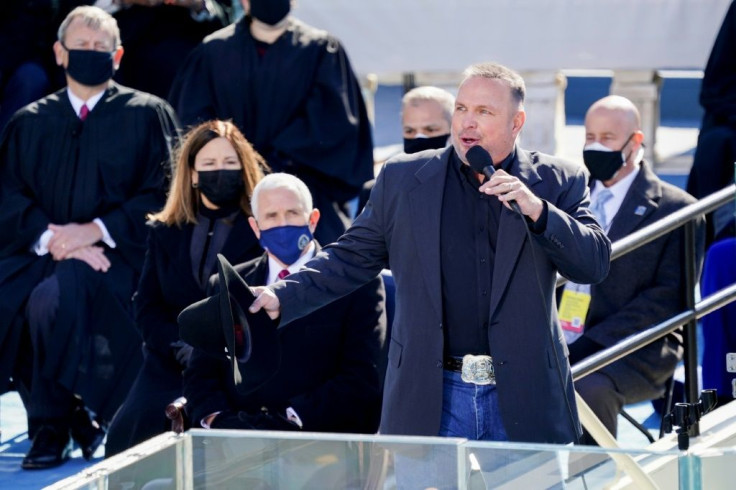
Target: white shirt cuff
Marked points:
41	247
106	238
204	423
292	416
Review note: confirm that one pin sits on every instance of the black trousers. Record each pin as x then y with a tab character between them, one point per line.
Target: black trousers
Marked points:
599	392
142	416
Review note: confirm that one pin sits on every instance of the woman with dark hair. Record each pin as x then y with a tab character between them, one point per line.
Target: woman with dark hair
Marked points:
206	213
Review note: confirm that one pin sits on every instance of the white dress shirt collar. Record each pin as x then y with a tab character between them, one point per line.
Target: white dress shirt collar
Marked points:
77	103
274	267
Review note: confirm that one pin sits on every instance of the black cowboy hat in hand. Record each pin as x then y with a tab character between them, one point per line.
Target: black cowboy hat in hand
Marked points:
221	325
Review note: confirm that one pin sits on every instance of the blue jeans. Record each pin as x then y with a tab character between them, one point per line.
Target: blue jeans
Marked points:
470	411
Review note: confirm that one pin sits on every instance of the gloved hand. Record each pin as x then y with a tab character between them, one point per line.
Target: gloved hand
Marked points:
246	421
229	420
182	352
268	421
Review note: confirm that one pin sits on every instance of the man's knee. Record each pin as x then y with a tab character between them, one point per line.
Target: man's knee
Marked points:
43	302
597	389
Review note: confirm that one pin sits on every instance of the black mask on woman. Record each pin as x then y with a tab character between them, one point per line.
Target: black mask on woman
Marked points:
602	162
222	187
89	67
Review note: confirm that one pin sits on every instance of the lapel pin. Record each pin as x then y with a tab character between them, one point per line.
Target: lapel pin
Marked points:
640	210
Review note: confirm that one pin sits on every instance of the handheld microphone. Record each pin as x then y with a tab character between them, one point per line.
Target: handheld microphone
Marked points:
480	161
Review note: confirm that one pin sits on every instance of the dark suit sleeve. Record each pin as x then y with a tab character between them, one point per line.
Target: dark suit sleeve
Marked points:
204	386
342	267
155	318
662	299
572	239
350	400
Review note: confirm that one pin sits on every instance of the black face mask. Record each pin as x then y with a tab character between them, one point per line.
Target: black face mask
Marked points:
222	187
415	145
603	164
270	12
90	68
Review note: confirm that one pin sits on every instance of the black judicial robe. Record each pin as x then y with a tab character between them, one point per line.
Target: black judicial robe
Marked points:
300	105
718	90
56	169
157	39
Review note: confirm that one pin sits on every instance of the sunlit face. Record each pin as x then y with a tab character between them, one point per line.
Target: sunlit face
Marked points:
80	36
424	117
281	207
608	127
218	154
486	115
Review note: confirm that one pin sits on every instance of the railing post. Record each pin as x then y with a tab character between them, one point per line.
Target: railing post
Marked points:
691	339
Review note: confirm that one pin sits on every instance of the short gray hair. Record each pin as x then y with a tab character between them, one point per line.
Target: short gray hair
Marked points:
429	93
280	180
499	72
96	19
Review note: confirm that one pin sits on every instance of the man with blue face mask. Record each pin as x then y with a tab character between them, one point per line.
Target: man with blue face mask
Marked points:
80	170
643	287
328	378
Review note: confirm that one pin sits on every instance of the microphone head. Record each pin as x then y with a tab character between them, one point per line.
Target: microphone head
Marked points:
479	159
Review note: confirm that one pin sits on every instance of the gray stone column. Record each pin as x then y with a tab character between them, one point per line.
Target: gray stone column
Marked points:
545	111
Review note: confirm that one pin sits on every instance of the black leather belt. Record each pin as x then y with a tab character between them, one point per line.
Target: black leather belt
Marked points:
453	363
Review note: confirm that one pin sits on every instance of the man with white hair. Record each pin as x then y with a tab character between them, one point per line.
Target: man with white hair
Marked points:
328	379
80	170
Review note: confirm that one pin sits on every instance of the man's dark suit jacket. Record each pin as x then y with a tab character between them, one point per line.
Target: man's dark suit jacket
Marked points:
328	372
643	288
400	229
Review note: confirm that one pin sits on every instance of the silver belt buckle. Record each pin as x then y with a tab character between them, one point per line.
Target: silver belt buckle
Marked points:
478	370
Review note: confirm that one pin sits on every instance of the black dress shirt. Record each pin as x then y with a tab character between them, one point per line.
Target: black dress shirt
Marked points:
468	236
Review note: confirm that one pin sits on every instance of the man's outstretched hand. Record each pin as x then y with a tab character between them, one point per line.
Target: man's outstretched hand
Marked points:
266	300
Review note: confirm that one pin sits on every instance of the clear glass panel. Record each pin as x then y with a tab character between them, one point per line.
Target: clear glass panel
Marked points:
319	461
715	468
158	463
278	460
514	466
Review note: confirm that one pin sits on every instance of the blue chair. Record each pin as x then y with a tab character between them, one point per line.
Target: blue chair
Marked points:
719	327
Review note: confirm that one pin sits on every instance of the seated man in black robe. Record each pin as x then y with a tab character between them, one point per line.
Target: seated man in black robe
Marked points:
328	378
79	170
290	89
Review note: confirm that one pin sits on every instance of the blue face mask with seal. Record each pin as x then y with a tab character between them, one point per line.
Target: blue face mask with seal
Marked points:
286	242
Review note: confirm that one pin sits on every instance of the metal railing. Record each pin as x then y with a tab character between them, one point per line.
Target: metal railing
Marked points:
684	217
